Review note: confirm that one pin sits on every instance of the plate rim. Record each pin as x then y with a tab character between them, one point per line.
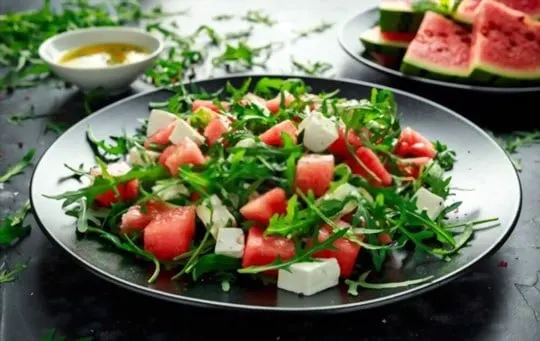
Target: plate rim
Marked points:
396	73
332	309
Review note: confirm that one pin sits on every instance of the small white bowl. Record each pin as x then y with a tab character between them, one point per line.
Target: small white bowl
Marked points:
113	79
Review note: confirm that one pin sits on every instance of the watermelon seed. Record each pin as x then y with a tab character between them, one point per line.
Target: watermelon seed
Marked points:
529	36
428	33
512	43
466	40
443	34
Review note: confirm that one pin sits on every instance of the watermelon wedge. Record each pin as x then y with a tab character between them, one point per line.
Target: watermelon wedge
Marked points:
467	9
381	48
397	16
506	46
440	50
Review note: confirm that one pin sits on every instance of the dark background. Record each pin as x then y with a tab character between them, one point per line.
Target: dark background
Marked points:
498	300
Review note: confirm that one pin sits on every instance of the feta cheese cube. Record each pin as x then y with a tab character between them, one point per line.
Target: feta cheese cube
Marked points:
182	130
159	119
215	214
246	143
431	203
166	191
319	132
257	101
138	156
340	193
230	242
309	278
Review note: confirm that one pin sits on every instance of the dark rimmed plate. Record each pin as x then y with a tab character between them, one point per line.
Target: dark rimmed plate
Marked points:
487	178
349	39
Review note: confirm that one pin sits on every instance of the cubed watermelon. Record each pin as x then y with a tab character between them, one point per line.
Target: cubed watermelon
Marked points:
314	172
272	136
263	250
135	219
273	104
170	233
346	253
199	103
412	143
186	152
262	208
160	137
372	162
127	191
217	127
339	147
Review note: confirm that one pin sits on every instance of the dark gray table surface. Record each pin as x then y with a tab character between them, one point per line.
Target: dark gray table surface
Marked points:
492	302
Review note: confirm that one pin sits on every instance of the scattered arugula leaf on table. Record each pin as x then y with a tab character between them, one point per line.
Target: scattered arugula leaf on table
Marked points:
18	167
10	275
13	227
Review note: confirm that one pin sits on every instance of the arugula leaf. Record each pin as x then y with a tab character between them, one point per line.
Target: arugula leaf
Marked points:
129	246
361	282
312	68
258	17
212	263
13	227
121	147
18	167
101	185
320	28
10	275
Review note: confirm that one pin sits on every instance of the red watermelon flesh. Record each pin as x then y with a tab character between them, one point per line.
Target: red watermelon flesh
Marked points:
506	43
468	9
440	46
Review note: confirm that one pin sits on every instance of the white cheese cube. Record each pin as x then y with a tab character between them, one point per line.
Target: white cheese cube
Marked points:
230	242
246	143
182	130
215	214
159	119
340	193
166	191
138	156
257	101
319	132
431	203
309	278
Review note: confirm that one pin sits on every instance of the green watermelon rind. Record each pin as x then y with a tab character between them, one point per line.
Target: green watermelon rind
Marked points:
492	75
384	47
420	68
398	19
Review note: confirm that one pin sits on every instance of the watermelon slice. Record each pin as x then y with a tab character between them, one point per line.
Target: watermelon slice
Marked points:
170	233
386	51
467	9
397	16
506	46
315	172
440	50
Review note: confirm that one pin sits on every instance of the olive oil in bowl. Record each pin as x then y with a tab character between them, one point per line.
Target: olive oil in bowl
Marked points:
103	55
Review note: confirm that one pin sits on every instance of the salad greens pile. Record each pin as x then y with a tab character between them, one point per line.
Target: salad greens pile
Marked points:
236	173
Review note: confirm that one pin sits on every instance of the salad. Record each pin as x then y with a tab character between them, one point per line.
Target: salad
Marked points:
279	184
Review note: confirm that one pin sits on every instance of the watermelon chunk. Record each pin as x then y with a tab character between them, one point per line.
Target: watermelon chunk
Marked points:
217	127
186	152
263	250
412	143
380	45
273	104
160	137
135	219
272	136
199	103
397	16
262	208
127	191
468	9
440	50
506	45
372	162
412	166
170	233
314	172
339	147
346	253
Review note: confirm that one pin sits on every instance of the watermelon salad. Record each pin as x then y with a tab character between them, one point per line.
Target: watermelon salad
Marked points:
483	42
278	184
